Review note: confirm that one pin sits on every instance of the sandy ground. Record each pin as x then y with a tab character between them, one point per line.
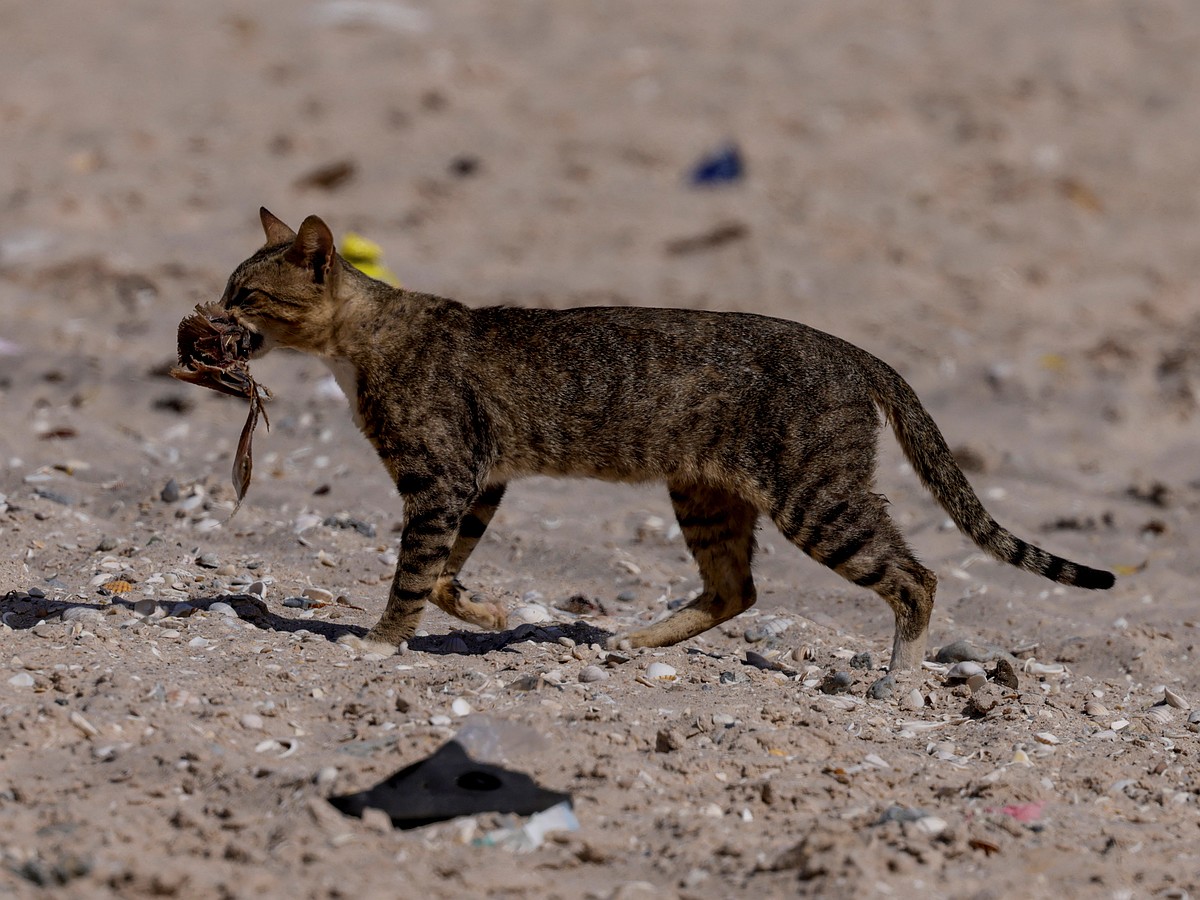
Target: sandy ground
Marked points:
999	199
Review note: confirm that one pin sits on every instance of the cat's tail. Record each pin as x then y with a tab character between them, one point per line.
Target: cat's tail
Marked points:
926	450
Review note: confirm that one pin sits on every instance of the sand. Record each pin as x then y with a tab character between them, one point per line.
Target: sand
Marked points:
998	199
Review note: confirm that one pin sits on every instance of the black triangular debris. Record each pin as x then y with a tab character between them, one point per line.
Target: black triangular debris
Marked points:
448	784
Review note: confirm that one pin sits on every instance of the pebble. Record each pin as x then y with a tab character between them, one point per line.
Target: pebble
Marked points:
882	688
22	680
930	825
913	700
836	683
208	561
961	651
36	591
460	707
767	628
862	661
440	721
1046	737
170	492
660	671
252	722
82	614
200	643
319	594
83	724
588	674
985	699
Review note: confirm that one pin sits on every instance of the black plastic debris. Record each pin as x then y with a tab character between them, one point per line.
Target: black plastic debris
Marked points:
446	785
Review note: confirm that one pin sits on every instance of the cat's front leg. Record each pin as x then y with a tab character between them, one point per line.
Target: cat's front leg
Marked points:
431	524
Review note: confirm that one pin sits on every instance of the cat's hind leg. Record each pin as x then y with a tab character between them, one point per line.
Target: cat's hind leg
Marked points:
853	535
718	528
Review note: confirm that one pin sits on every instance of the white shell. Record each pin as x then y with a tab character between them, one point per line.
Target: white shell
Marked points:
528	615
1095	709
460	707
1160	714
1045	737
1175	700
661	671
930	825
913	700
961	671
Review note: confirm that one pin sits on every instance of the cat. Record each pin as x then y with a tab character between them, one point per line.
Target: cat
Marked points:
741	415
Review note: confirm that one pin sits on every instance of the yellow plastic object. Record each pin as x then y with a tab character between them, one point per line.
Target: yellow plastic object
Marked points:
367	256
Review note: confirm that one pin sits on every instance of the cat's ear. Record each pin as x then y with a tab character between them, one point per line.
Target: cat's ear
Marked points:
276	231
313	249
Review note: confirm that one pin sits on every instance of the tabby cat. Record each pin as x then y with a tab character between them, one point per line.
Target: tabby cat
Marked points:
741	415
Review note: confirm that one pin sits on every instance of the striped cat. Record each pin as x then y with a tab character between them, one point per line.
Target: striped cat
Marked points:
741	415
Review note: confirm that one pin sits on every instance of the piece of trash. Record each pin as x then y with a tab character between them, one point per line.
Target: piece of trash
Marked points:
449	784
722	166
367	256
718	235
498	740
328	177
523	837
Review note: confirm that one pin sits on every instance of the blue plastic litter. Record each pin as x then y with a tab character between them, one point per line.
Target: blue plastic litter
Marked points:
722	166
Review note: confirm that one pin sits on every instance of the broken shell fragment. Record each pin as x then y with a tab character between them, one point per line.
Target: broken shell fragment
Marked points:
660	671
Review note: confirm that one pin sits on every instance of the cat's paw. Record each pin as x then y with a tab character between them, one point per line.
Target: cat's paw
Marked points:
369	646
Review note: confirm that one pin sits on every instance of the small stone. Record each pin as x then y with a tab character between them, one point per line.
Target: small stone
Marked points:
36	591
882	688
975	682
627	596
82	614
106	544
252	722
199	643
21	680
862	661
930	825
319	594
961	651
460	707
208	561
836	683
589	674
170	492
1005	675
985	699
228	570
668	740
913	700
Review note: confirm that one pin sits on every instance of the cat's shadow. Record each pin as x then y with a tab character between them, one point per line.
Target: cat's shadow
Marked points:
22	612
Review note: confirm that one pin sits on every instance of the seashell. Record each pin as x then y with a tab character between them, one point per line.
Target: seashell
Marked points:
660	671
83	724
1045	737
528	615
841	701
961	671
1160	714
1175	700
1119	724
460	707
82	614
1095	709
252	722
975	682
913	700
1033	667
319	594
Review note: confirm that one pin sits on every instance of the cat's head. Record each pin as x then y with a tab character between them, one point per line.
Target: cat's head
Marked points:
290	293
